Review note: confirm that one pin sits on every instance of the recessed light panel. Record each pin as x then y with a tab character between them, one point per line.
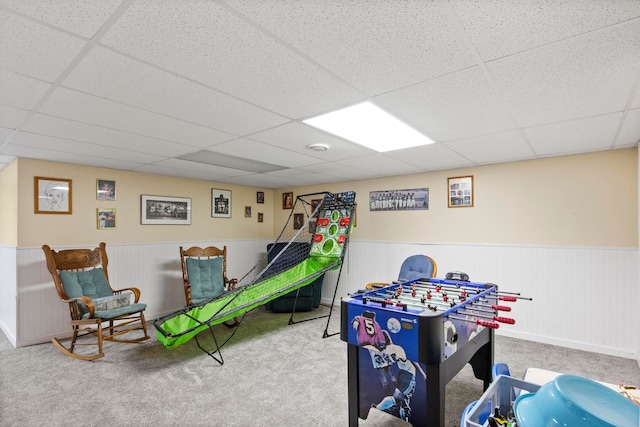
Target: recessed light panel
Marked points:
370	126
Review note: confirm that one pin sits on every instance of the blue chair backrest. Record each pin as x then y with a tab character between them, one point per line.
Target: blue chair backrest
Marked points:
417	267
499	369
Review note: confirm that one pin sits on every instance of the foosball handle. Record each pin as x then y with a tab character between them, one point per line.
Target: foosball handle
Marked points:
501	307
508	320
486	324
507	298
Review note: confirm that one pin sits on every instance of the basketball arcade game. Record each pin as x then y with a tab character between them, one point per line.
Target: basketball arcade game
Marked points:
406	341
322	241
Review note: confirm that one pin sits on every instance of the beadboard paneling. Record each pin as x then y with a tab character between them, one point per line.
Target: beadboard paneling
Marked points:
583	298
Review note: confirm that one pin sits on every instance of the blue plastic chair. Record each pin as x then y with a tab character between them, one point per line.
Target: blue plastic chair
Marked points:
482	417
499	369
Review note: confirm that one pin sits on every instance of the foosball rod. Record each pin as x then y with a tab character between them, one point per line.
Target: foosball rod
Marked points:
509	320
416	301
496	295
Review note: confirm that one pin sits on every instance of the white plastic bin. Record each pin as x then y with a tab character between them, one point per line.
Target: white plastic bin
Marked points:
501	393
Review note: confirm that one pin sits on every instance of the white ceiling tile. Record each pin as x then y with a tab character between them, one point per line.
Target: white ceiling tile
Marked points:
297	137
4	134
20	91
65	157
455	106
68	146
636	99
183	173
430	157
500	147
76	106
77	16
262	181
259	151
211	45
500	28
585	76
67	129
630	132
11	117
107	74
34	50
6	159
383	164
338	172
576	136
376	45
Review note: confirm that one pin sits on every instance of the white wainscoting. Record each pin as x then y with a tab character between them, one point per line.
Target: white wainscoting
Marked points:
8	292
153	268
584	298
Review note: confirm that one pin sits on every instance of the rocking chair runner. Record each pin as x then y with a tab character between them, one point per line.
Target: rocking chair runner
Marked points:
82	281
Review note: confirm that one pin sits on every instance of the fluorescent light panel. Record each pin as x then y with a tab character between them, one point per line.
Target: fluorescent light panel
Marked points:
370	126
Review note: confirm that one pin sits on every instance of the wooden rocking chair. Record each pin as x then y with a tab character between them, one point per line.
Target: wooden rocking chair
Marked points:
82	281
204	274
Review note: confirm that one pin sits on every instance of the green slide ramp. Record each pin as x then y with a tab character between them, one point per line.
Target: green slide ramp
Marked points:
178	329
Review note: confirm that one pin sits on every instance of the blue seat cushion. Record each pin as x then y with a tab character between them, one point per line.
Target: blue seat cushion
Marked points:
206	277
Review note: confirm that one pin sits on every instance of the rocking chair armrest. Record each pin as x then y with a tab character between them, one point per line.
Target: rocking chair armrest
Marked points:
135	291
88	302
230	283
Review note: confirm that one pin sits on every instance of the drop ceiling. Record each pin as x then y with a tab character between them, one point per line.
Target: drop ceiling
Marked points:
217	90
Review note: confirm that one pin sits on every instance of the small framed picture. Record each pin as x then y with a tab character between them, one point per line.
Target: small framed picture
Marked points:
247	211
287	200
106	218
460	192
52	195
314	205
298	220
106	190
260	217
260	197
220	203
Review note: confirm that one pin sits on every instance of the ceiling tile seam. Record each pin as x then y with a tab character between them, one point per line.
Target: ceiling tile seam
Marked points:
191	80
69	68
92	144
635	87
186	146
450	9
290	47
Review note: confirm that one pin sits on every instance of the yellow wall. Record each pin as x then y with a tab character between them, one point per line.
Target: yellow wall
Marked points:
9	205
581	200
80	227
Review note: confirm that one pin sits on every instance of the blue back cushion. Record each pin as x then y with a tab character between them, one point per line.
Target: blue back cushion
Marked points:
416	267
91	283
206	277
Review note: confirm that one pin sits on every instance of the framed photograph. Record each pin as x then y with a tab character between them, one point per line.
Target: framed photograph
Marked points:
260	197
106	190
247	211
106	218
220	203
260	217
52	195
399	200
287	200
165	210
298	221
460	191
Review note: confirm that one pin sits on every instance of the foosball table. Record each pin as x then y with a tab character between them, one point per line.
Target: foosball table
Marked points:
407	340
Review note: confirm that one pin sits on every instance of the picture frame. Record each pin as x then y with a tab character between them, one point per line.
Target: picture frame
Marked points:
52	195
314	204
247	211
260	197
105	189
220	203
287	200
298	221
165	210
411	199
260	217
106	218
460	192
